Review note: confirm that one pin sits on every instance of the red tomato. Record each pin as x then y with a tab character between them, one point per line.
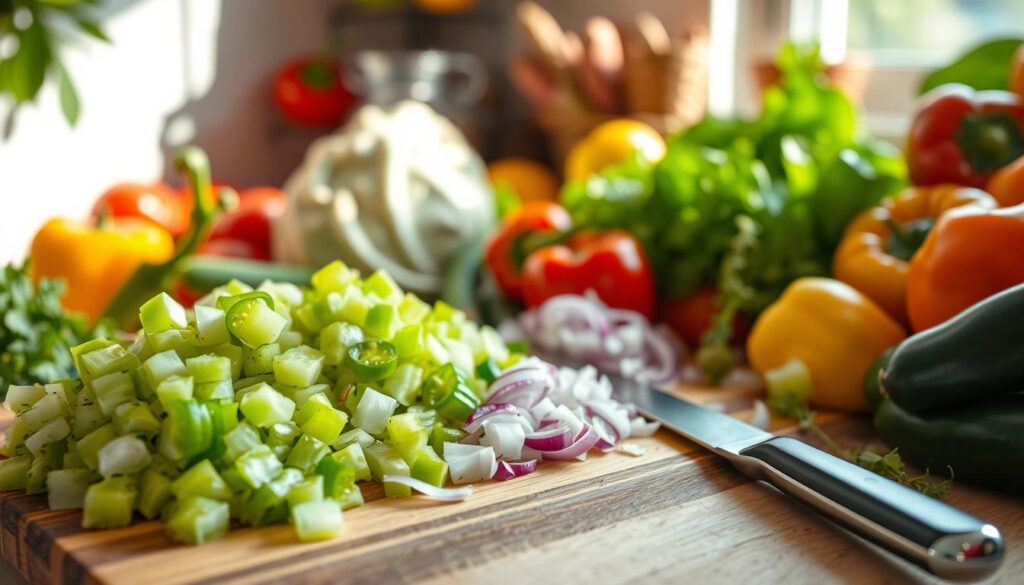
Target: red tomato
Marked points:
691	317
309	92
154	202
249	224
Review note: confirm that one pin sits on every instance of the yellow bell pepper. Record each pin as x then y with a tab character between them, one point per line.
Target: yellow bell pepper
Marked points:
95	262
834	330
613	143
874	256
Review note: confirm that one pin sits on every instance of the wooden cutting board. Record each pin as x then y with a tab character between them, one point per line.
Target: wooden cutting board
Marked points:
675	513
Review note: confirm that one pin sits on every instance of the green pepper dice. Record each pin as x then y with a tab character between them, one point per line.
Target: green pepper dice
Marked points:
373	359
447	393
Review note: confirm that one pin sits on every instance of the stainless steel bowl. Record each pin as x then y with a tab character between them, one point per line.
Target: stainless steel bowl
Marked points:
442	79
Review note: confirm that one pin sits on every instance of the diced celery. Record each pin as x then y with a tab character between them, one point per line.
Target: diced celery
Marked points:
323	311
122	456
53	431
45	410
436	350
317	520
381	321
186	432
141	347
268	504
161	313
325	424
283	292
407	435
198	520
21	398
441	434
427	416
381	284
310	489
404	384
254	323
16	435
46	460
306	318
109	503
154	492
335	340
460	355
201	480
260	360
174	388
83	348
265	406
89	446
301	395
299	366
71	459
210	326
333	277
234	480
384	460
136	418
66	488
180	341
429	467
258	466
358	436
412	309
283	434
352	498
493	345
409	341
355	309
233	287
221	390
113	390
338	476
306	453
312	405
88	414
234	353
14	472
112	358
353	455
162	366
239	440
208	368
373	410
289	340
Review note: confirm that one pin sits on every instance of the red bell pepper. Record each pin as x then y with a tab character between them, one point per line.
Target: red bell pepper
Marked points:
962	136
612	264
245	231
509	246
153	202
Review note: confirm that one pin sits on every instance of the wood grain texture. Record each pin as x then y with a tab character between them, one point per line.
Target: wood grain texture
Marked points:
676	512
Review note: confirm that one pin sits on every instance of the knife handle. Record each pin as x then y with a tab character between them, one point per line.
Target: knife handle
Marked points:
945	541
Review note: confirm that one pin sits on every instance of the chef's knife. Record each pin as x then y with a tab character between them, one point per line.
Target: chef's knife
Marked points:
945	541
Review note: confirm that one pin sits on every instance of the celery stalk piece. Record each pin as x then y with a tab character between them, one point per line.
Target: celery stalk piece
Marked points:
436	350
198	520
382	321
14	472
283	434
109	503
260	360
113	390
234	481
180	341
306	453
355	309
88	415
89	446
381	284
201	480
53	431
335	340
409	341
407	435
48	459
336	276
493	345
211	328
441	434
65	488
299	366
429	467
313	404
16	435
459	354
175	388
338	476
265	406
140	347
412	309
240	440
71	459
112	358
325	424
162	366
317	520
21	398
258	466
353	456
358	436
352	498
136	418
289	340
208	368
186	432
122	456
404	384
154	493
83	348
301	395
161	313
373	410
384	460
243	385
310	489
221	390
234	353
48	408
268	503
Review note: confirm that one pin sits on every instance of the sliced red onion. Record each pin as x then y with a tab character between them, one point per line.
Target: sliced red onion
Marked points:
568	418
584	442
469	463
632	449
530	454
607	436
497	417
489	410
552	438
613	414
638	427
512	469
506	438
431	491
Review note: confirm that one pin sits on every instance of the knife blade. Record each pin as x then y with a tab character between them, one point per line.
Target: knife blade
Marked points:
943	540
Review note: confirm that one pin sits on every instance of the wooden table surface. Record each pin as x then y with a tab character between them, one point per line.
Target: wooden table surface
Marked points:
674	514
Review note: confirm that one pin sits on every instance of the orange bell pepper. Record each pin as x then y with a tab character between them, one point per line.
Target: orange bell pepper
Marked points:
970	254
874	253
1007	185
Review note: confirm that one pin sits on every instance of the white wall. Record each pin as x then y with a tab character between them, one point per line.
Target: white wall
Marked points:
203	64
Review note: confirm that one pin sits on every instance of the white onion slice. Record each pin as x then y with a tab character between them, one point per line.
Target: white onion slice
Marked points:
431	491
507	439
638	427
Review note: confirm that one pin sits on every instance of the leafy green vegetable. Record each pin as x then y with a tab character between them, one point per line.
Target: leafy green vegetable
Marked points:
35	331
750	205
986	66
